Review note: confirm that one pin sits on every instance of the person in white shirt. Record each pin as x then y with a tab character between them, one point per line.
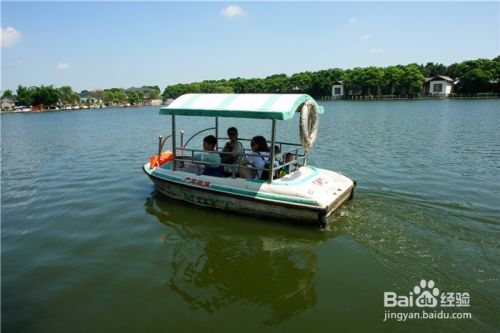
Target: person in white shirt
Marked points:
256	162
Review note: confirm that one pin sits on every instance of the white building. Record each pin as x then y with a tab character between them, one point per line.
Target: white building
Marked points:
155	102
338	90
438	86
7	104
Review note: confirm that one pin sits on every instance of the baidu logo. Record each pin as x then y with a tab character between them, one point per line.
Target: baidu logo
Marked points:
428	302
427	294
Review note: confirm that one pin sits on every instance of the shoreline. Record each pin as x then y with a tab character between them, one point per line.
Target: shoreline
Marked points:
351	99
79	109
396	98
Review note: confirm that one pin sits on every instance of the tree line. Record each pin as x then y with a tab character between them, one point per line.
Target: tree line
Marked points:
471	77
51	96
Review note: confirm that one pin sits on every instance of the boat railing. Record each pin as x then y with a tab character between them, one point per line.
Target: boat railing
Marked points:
185	159
184	154
184	145
161	142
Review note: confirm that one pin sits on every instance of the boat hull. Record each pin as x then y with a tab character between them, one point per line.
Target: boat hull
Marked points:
247	197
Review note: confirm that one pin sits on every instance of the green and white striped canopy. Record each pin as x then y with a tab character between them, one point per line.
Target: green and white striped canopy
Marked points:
257	106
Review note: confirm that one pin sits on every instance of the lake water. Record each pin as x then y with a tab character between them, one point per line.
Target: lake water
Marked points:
88	245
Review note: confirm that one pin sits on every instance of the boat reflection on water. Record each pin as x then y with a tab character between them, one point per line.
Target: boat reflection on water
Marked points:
219	259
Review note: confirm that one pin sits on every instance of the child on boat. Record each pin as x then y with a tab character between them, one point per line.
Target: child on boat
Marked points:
210	158
290	167
232	152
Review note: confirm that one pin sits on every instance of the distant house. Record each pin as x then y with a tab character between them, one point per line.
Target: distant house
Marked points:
337	90
145	91
438	86
86	97
8	104
155	102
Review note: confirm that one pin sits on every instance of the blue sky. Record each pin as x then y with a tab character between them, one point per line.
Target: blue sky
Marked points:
99	45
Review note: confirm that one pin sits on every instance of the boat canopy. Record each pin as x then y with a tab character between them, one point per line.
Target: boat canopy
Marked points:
257	106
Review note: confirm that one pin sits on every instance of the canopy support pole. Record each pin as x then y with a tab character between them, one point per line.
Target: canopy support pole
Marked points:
272	152
217	132
174	151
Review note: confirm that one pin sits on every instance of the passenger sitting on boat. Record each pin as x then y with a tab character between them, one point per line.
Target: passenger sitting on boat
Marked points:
290	167
257	163
276	164
210	158
232	152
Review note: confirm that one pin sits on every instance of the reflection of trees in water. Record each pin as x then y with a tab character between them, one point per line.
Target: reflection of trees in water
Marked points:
211	274
217	264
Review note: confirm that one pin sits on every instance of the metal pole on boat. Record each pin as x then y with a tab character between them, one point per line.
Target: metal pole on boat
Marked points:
273	143
217	131
160	138
182	142
174	153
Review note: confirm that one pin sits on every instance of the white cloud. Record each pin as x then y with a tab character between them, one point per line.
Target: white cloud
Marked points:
365	37
62	66
9	36
376	50
353	20
232	11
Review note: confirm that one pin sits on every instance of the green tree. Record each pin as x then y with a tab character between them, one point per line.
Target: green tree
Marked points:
354	81
401	80
114	96
431	69
347	82
476	80
108	97
321	82
494	68
7	94
154	94
254	86
453	71
480	75
76	98
373	78
277	83
175	91
120	97
392	80
68	96
238	84
97	94
133	98
413	80
45	95
24	96
301	82
223	89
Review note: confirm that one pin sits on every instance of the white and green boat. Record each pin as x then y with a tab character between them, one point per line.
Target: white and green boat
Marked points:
302	193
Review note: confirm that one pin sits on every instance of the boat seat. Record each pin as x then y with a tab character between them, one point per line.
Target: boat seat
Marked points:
214	171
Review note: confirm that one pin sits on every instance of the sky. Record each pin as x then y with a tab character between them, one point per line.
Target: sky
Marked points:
93	45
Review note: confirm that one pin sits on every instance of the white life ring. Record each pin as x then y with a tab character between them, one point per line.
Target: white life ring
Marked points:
309	125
